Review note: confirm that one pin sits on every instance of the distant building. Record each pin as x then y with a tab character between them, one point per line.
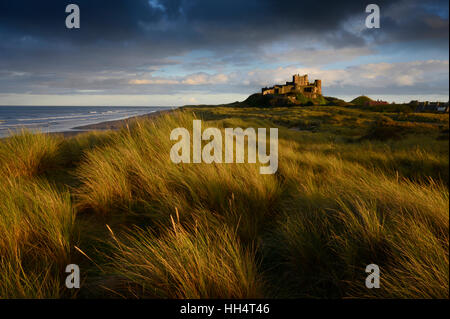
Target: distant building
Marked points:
299	84
377	102
439	107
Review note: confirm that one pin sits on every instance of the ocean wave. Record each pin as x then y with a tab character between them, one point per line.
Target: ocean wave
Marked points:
67	120
55	117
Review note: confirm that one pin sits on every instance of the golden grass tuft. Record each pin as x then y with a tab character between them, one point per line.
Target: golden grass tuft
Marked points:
29	154
194	261
338	202
36	228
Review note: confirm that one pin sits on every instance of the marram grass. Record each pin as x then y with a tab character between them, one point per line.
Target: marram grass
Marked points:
36	228
194	261
140	226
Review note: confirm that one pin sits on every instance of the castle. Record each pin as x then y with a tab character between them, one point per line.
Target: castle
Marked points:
299	84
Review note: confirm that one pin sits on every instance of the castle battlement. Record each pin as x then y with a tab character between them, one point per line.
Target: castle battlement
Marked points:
299	84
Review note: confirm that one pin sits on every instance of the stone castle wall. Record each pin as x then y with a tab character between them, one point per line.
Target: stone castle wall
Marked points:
299	84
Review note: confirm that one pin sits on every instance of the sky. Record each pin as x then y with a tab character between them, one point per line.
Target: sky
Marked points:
177	52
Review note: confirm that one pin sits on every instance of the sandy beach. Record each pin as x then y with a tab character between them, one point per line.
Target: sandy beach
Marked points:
109	125
105	125
117	124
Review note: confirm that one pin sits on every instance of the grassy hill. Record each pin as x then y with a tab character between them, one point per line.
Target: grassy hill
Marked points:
353	187
361	100
273	100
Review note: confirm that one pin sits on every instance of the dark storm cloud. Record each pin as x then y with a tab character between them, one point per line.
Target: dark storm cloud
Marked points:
34	35
195	22
169	26
129	38
113	19
415	21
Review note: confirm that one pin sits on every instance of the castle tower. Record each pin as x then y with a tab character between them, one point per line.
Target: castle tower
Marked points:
304	80
301	80
318	85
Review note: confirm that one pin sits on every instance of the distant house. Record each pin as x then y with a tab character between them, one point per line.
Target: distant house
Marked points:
377	102
427	106
442	109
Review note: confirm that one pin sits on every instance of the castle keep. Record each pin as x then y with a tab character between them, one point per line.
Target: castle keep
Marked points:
299	84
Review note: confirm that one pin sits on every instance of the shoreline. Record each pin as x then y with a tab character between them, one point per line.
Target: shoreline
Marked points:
112	125
117	124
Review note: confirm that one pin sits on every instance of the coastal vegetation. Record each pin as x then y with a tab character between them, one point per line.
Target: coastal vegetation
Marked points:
354	187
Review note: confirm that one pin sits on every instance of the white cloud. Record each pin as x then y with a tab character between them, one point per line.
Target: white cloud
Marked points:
380	75
315	57
204	78
192	100
191	79
426	78
119	99
152	81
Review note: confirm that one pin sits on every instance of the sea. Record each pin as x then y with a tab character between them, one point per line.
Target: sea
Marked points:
49	119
